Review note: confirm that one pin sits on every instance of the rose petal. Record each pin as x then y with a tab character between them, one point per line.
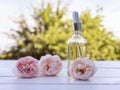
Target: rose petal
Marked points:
82	68
26	67
50	65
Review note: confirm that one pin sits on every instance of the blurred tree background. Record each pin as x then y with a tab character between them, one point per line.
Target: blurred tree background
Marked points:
51	31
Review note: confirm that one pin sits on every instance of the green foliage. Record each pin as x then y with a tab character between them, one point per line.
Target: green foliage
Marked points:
101	45
50	33
48	36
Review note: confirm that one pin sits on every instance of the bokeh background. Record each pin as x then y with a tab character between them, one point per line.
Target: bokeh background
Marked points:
39	27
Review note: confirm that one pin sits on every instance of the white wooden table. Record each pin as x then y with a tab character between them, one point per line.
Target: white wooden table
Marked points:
107	77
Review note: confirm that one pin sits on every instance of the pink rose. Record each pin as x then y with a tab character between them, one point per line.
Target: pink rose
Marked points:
50	65
26	67
82	68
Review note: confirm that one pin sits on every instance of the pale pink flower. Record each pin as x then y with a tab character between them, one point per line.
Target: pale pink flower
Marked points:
26	67
82	68
50	65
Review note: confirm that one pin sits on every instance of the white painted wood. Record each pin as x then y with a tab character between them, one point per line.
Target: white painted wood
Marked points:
106	77
57	87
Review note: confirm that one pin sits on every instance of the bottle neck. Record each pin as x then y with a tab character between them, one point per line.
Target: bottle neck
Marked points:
76	30
76	34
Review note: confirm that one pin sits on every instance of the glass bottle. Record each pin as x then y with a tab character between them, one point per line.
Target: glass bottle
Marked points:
76	44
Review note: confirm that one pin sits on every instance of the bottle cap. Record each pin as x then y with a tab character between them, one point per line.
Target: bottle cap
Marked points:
76	17
76	21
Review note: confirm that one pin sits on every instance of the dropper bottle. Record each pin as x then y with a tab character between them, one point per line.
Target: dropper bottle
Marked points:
76	44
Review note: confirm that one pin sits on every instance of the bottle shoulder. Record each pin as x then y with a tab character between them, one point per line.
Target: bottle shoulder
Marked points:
77	39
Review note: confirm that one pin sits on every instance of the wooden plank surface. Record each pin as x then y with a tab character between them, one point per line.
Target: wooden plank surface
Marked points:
106	77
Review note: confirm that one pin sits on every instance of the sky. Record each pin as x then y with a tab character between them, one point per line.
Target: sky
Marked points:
11	9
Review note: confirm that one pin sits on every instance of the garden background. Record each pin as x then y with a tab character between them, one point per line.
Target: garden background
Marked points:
51	30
